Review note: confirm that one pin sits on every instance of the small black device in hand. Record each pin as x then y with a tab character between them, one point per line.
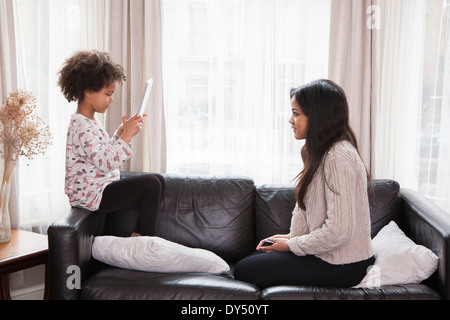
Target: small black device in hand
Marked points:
268	243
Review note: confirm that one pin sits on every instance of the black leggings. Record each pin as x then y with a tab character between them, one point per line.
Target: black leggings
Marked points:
285	268
144	190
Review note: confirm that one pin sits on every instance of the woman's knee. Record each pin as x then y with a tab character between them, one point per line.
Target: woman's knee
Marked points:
247	267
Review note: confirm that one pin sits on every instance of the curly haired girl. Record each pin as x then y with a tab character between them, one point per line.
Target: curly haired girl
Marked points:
92	181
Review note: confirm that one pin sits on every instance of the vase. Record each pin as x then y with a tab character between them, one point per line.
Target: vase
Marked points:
5	223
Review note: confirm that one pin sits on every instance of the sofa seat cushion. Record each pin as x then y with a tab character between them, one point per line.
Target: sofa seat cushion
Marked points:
121	284
398	292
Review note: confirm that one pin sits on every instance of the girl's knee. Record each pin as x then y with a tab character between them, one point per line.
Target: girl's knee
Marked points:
153	182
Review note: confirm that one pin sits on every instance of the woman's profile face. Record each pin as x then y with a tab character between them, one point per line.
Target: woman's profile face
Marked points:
298	121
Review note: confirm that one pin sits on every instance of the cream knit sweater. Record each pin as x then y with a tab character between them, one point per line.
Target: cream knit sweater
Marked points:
336	225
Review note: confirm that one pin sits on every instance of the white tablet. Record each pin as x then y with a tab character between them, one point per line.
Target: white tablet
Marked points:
148	88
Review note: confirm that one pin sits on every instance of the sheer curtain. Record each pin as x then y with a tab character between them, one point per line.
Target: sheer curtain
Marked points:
353	65
401	56
413	144
434	153
135	43
8	84
228	68
47	32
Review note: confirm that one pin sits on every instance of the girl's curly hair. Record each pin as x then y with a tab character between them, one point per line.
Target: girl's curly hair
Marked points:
88	71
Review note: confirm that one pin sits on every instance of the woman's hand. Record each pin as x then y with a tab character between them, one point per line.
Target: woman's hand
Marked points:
280	244
130	127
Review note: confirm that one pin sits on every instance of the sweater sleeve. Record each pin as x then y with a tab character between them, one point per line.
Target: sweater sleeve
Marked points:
95	146
299	225
340	176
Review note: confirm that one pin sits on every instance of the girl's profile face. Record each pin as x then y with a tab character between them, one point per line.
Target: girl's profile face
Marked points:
298	121
100	100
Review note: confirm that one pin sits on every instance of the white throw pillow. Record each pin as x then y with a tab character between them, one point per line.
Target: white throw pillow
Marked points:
398	260
154	254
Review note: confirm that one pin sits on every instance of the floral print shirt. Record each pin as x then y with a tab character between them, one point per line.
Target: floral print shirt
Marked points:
92	161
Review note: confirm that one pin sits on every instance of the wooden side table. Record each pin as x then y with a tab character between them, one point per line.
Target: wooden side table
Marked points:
25	250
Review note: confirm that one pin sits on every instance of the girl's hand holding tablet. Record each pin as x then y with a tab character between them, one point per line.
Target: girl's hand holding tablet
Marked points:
131	127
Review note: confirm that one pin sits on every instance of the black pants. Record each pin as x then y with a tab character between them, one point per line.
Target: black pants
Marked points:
144	190
285	268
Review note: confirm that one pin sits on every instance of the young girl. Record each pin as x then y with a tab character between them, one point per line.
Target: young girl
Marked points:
92	158
329	242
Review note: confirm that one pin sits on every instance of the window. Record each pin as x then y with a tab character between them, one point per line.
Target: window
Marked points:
41	180
228	68
198	37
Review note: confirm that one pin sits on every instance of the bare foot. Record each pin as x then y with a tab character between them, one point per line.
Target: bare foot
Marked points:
134	234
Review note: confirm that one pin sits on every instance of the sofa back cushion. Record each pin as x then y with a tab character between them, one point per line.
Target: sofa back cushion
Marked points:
385	205
209	213
273	210
274	206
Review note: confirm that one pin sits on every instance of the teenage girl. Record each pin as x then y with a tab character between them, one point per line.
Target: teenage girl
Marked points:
329	242
93	159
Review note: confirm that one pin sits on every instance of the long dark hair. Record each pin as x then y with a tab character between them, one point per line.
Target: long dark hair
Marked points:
325	104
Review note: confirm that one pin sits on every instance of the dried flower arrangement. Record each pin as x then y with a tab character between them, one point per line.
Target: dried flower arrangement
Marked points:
22	133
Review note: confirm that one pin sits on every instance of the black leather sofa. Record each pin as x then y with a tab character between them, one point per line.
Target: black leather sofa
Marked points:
229	216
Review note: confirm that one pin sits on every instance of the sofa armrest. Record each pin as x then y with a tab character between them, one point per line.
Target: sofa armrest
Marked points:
70	245
428	225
